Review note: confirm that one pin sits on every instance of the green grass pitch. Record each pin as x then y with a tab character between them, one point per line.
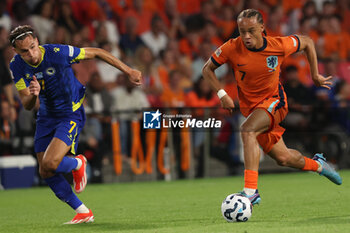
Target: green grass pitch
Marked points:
294	202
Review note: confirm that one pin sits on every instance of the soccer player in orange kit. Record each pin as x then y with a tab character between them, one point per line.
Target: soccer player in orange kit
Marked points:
256	61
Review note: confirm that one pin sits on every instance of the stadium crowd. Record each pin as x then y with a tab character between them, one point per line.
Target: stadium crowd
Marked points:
169	41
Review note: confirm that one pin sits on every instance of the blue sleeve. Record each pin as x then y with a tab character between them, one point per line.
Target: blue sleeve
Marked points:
17	74
68	54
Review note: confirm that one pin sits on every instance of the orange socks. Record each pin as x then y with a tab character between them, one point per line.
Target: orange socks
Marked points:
250	179
310	165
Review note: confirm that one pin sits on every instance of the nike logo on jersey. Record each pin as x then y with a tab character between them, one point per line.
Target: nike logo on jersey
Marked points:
70	137
241	64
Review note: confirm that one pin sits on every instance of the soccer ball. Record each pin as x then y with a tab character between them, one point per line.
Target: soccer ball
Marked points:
236	208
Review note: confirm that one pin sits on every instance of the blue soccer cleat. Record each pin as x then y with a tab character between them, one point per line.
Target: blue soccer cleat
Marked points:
327	170
254	199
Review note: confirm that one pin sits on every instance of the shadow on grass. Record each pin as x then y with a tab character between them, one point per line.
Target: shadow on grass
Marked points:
109	227
132	226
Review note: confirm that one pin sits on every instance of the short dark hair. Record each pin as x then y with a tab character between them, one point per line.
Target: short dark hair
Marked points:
250	13
20	33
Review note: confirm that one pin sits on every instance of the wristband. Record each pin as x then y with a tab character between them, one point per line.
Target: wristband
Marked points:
221	93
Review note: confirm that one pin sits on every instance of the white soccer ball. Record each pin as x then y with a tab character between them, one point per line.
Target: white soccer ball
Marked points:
236	208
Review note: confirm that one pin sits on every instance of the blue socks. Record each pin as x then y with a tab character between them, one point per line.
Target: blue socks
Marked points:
63	191
67	165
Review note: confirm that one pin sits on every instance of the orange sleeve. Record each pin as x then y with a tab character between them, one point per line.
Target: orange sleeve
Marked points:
221	55
291	44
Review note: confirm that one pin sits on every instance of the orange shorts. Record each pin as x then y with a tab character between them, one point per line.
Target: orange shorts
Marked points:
277	109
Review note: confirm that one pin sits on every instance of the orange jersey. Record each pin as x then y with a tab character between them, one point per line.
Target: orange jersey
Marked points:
257	71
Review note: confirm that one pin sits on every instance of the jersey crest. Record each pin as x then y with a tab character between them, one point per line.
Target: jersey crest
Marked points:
272	62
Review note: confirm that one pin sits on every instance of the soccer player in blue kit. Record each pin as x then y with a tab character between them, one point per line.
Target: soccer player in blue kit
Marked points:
45	72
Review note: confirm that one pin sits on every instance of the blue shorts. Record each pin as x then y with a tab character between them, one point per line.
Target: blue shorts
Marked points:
66	128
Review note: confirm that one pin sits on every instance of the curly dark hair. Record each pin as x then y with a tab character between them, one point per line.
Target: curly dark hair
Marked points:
20	33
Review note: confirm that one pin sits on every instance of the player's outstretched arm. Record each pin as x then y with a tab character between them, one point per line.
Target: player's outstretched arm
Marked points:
307	45
30	94
133	74
209	75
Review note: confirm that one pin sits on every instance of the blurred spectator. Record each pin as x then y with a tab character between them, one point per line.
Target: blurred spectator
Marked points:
226	23
42	20
298	95
188	7
20	13
200	98
127	97
173	94
6	86
5	19
107	72
26	129
183	62
299	98
130	40
84	69
230	86
66	18
91	145
205	51
166	64
341	104
151	84
97	97
275	26
202	95
341	38
189	45
309	10
305	27
7	128
210	34
86	11
343	10
155	39
328	8
139	14
300	61
130	99
173	19
60	36
205	14
107	31
324	97
322	38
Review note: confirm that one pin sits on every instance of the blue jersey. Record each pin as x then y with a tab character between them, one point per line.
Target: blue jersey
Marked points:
61	93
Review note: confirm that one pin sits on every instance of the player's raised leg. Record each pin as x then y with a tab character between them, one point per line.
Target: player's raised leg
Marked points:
52	163
256	123
55	161
293	158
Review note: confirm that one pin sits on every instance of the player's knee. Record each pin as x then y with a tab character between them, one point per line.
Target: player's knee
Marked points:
49	165
247	133
44	173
